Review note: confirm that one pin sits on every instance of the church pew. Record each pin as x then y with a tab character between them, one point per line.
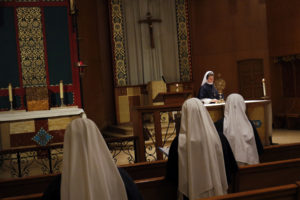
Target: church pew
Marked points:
280	152
157	188
248	178
267	175
138	171
284	192
145	170
25	197
25	186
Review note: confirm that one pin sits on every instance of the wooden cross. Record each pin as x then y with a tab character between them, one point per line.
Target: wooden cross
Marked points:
149	21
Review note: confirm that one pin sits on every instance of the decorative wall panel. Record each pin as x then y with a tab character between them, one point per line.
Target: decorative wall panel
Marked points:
31	46
119	49
38	48
183	40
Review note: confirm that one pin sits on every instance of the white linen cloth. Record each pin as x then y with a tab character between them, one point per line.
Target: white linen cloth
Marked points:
89	171
238	130
200	155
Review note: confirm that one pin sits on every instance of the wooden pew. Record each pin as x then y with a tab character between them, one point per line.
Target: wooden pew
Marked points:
157	188
280	152
148	170
267	175
25	197
284	192
25	186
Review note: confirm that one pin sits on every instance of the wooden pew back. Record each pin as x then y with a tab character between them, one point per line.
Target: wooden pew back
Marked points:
267	175
284	192
283	172
25	186
280	152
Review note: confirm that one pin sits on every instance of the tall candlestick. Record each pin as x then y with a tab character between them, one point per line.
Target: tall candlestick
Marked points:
10	96
264	86
61	89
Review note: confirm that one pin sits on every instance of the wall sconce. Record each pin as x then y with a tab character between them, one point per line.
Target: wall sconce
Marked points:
81	67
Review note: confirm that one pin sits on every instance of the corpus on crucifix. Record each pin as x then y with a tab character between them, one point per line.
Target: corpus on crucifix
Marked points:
149	21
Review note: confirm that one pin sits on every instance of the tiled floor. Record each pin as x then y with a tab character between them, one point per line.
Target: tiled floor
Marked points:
284	136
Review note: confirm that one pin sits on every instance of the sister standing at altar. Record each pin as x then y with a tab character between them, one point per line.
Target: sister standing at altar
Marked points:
207	92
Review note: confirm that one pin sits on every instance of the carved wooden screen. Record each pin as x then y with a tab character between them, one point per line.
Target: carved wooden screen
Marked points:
251	73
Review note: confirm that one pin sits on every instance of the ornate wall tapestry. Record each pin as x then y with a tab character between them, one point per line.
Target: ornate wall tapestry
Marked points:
38	48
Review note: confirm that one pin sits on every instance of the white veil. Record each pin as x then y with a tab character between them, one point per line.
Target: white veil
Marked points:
89	171
204	78
239	131
200	156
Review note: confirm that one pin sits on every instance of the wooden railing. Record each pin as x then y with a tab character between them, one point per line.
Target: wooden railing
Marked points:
139	129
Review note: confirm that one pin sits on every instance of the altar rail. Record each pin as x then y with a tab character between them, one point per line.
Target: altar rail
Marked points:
143	114
35	160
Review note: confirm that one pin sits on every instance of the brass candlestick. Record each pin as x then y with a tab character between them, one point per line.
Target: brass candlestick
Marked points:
11	106
10	96
62	102
220	85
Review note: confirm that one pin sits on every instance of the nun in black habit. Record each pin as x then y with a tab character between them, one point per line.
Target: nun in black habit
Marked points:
231	167
89	171
240	132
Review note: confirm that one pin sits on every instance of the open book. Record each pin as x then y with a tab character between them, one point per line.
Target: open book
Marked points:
165	150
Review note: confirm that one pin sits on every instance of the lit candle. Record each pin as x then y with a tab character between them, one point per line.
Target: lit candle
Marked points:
10	92
264	86
61	89
177	89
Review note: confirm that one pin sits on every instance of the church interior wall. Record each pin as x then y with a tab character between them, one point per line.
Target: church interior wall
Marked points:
225	32
95	50
284	39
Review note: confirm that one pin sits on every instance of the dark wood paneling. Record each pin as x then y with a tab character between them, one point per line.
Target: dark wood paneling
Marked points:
283	19
250	78
223	32
95	50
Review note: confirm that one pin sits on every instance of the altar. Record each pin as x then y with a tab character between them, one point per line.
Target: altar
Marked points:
27	128
258	111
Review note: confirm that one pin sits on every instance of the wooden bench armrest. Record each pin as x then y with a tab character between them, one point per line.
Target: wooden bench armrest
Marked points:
25	197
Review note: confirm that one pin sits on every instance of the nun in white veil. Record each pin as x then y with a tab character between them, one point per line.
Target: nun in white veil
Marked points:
207	92
89	171
200	156
239	131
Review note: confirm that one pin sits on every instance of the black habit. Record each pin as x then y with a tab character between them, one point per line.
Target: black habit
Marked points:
231	166
208	91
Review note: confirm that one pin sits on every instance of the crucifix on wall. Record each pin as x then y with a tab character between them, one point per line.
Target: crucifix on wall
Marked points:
150	22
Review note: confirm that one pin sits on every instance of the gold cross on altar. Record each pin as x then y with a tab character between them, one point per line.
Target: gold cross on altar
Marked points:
149	21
